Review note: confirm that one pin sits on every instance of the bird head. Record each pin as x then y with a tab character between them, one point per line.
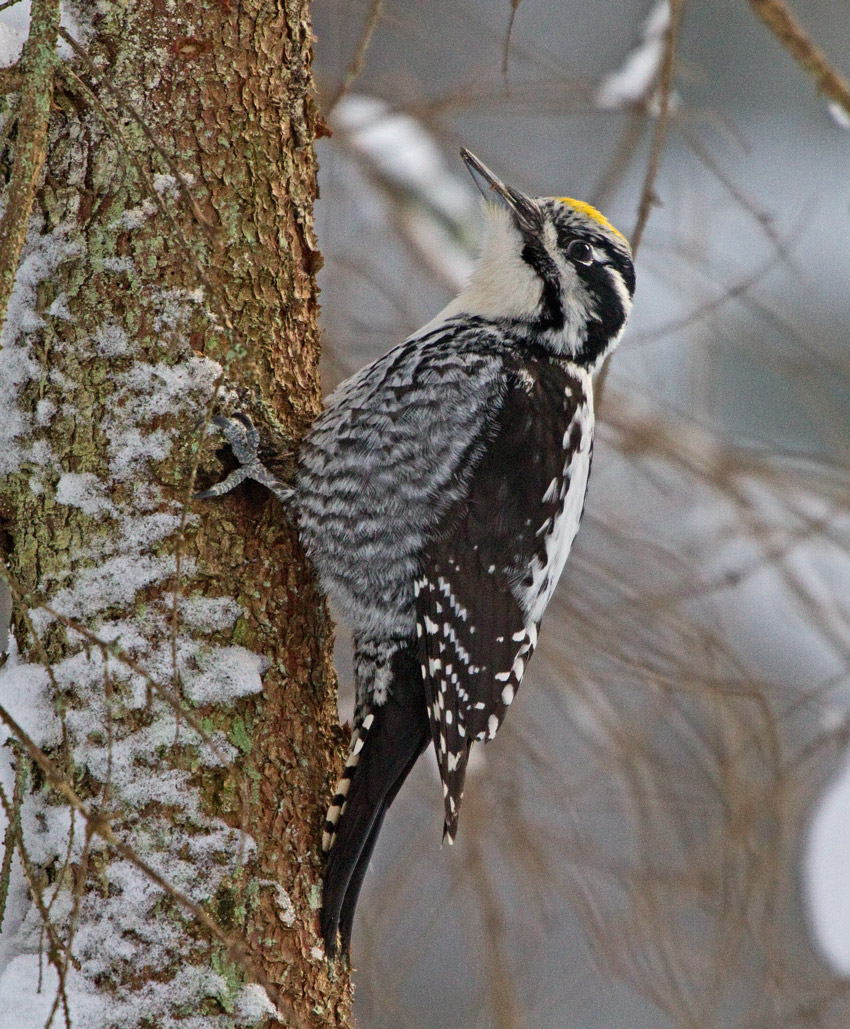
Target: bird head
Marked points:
552	268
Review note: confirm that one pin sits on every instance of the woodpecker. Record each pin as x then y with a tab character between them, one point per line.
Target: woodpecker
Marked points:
438	496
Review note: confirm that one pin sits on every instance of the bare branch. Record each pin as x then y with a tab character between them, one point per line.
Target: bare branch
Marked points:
376	10
811	58
38	63
647	197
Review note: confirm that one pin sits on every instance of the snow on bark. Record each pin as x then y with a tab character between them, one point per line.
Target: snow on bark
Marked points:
121	731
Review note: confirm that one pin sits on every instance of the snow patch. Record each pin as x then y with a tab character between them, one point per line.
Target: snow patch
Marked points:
211	613
117	265
253	1004
15	26
635	80
24	694
839	115
59	308
85	491
135	217
826	880
285	907
226	674
111	340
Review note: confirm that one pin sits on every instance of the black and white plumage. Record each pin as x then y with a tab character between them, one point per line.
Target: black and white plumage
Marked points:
438	496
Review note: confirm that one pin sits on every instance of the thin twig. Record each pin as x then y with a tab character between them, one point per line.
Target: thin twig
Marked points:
376	10
810	57
760	217
38	62
648	197
9	837
56	948
508	36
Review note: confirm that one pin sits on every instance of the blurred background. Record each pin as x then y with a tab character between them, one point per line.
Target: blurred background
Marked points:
660	834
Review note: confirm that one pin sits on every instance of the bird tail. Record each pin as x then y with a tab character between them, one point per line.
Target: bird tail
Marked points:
384	749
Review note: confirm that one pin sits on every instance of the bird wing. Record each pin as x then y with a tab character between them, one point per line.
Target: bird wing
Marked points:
380	466
491	560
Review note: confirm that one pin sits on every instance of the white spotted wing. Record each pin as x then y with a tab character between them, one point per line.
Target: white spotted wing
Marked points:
489	567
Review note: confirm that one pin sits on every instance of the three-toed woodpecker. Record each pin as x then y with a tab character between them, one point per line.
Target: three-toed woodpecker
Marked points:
438	496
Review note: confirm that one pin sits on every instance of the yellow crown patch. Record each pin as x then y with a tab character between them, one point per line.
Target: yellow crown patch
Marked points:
591	212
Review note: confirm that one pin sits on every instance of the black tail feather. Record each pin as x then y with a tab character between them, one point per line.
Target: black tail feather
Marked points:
352	892
398	735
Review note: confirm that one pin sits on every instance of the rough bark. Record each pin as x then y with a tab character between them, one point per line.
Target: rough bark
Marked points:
171	229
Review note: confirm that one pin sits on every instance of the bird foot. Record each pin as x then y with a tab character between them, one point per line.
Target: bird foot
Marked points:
244	440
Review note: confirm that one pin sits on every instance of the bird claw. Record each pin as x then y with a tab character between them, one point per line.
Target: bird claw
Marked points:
244	440
241	434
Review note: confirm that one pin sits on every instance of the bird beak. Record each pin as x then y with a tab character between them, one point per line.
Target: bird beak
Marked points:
495	191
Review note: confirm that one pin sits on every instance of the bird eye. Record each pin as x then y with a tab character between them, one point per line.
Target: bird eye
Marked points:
580	252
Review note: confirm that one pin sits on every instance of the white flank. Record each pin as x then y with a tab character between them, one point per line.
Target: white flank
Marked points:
560	539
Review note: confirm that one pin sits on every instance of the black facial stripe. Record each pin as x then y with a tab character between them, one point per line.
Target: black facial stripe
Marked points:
624	266
552	312
611	313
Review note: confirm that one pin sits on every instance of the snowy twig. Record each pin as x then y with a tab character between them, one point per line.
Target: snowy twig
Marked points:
648	197
811	59
38	63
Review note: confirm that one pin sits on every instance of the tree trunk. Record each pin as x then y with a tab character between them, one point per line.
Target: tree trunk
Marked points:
169	699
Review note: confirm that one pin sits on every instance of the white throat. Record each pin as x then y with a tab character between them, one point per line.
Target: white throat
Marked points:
502	284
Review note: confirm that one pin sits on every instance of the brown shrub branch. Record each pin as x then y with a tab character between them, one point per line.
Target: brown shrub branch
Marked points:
811	59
